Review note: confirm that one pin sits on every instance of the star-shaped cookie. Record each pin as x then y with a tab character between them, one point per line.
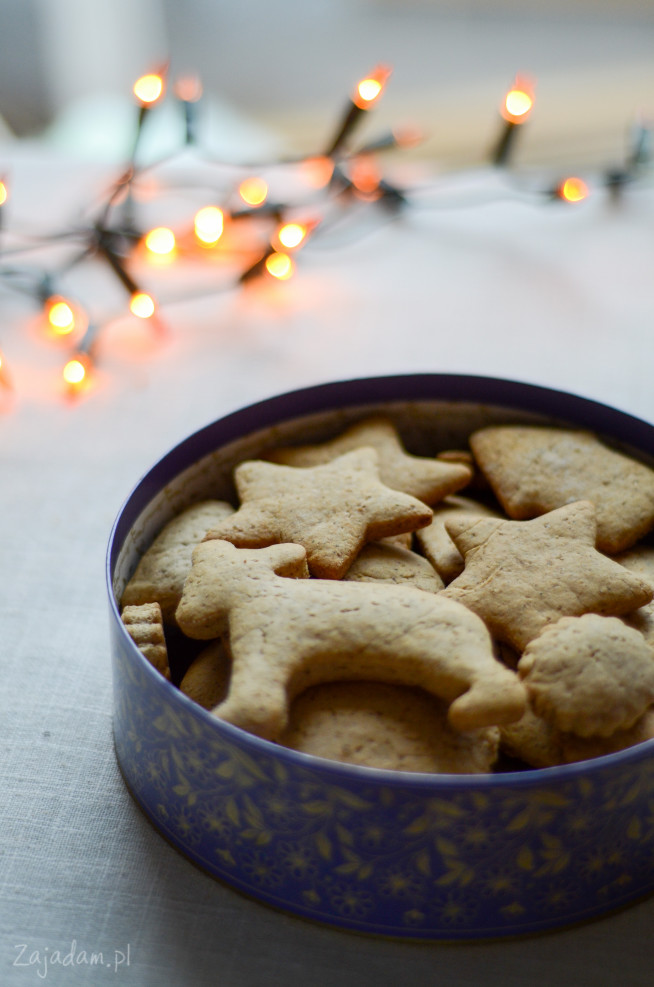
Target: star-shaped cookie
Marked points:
332	509
534	469
520	576
427	479
434	541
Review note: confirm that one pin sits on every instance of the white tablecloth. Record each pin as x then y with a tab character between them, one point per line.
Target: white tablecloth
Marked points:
554	295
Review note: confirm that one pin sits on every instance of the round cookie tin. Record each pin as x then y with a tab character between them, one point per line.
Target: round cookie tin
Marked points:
415	856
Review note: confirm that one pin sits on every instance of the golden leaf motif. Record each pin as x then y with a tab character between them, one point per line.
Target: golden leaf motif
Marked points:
445	808
317	807
457	873
419	825
525	858
515	908
183	788
632	794
560	863
344	835
480	801
387	797
179	764
445	847
523	819
586	787
251	767
226	769
231	809
252	833
324	845
348	868
253	813
280	772
422	861
170	724
555	856
350	799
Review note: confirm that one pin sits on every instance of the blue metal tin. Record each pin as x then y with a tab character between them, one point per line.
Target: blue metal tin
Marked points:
414	856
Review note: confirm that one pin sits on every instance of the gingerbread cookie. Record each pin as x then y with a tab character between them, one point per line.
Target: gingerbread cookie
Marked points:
520	576
286	634
160	574
574	748
427	479
589	675
532	740
464	457
436	544
207	679
332	510
144	624
405	540
536	469
640	560
392	727
388	563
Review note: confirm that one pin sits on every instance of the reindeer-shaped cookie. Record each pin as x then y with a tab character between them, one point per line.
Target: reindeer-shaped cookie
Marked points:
286	634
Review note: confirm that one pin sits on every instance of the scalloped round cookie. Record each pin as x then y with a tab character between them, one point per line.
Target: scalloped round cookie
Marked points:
589	675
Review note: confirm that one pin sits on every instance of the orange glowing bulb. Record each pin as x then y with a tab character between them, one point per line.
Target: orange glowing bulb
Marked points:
4	194
74	373
61	317
365	175
408	136
148	88
371	88
291	235
518	101
280	266
253	191
188	88
573	190
208	224
5	379
160	240
317	172
141	305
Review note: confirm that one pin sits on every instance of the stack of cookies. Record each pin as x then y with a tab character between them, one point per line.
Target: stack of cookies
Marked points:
438	613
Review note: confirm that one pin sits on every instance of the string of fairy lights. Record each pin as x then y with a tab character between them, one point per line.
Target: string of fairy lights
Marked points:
256	236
